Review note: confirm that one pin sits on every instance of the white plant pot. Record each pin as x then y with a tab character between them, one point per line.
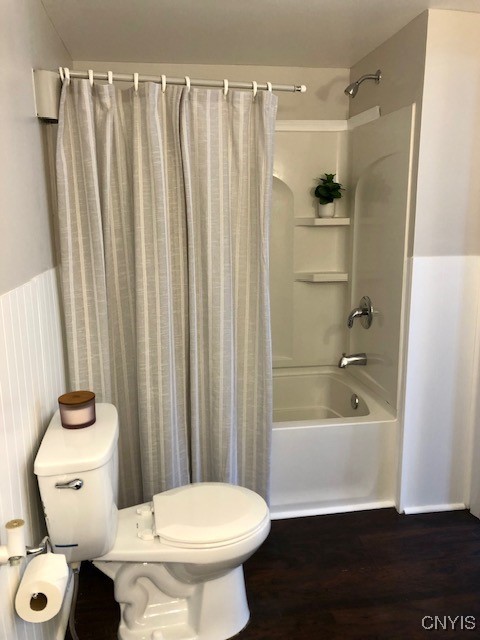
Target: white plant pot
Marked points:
326	210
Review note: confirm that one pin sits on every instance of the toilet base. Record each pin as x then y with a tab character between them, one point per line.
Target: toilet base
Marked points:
155	605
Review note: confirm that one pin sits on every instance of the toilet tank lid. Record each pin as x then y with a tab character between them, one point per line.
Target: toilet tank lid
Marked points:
73	450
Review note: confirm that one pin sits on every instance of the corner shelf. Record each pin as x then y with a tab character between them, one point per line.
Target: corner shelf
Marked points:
321	276
322	222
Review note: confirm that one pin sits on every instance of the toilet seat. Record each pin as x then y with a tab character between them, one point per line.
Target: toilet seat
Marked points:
207	514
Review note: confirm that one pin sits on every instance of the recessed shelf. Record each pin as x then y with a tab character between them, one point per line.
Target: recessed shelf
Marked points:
321	222
322	276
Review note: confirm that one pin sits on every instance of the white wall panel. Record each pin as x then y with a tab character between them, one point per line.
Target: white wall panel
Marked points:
31	379
440	381
381	157
308	327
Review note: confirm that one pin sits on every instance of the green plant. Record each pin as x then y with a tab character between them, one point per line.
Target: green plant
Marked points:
328	190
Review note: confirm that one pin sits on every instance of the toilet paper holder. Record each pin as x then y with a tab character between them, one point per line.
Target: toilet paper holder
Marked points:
41	548
15	550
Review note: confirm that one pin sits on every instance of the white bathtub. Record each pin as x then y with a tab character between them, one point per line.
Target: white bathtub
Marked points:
326	456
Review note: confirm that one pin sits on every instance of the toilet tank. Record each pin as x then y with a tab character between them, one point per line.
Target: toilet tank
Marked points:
77	471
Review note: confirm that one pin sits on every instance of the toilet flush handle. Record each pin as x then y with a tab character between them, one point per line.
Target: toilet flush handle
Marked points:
73	484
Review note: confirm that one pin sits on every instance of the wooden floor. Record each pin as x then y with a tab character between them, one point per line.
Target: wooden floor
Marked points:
365	575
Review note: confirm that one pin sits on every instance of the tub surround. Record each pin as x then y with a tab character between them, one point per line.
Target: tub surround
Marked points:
309	259
381	166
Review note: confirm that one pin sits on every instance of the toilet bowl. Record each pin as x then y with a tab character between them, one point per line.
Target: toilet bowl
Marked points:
176	562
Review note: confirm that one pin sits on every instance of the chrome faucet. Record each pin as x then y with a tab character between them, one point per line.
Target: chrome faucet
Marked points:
354	358
363	311
355	313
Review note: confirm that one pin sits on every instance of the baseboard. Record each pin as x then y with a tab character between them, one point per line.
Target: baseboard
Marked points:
435	508
302	511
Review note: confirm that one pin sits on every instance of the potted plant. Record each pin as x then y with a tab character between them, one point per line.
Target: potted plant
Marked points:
327	192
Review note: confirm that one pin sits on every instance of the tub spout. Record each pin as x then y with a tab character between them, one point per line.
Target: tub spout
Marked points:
354	358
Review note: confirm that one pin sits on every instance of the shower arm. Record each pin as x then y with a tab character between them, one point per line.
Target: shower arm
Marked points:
370	76
352	88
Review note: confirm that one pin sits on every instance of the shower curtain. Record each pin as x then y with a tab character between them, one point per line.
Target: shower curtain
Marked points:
163	225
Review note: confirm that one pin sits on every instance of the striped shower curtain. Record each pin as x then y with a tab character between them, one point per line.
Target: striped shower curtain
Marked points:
163	224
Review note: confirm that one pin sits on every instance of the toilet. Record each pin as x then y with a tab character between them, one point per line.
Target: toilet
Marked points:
176	562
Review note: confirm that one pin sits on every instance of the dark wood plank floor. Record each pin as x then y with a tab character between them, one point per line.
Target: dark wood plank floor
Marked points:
365	575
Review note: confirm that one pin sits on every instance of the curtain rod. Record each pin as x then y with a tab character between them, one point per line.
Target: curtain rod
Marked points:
194	82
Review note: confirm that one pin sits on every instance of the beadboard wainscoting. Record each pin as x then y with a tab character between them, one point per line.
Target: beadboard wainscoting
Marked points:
32	376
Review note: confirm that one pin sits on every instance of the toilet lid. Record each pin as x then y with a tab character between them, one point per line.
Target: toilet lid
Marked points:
207	513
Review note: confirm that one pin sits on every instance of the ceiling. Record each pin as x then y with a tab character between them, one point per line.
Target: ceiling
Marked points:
303	33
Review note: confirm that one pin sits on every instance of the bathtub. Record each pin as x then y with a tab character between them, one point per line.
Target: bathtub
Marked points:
328	457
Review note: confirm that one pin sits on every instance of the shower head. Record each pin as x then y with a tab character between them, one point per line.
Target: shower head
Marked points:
351	90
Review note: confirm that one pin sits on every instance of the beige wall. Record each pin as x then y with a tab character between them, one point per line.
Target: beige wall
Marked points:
324	99
448	200
435	62
27	40
31	364
402	62
442	356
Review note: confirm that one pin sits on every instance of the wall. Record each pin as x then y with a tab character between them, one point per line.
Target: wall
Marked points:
31	379
31	363
474	439
434	61
27	40
402	62
324	98
442	353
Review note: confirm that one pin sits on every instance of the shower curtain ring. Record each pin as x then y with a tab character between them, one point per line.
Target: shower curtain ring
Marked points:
135	82
62	75
164	82
66	71
269	87
90	77
110	77
254	89
187	83
225	88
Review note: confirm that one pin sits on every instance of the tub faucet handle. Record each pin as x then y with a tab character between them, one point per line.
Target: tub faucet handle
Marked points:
364	311
354	358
